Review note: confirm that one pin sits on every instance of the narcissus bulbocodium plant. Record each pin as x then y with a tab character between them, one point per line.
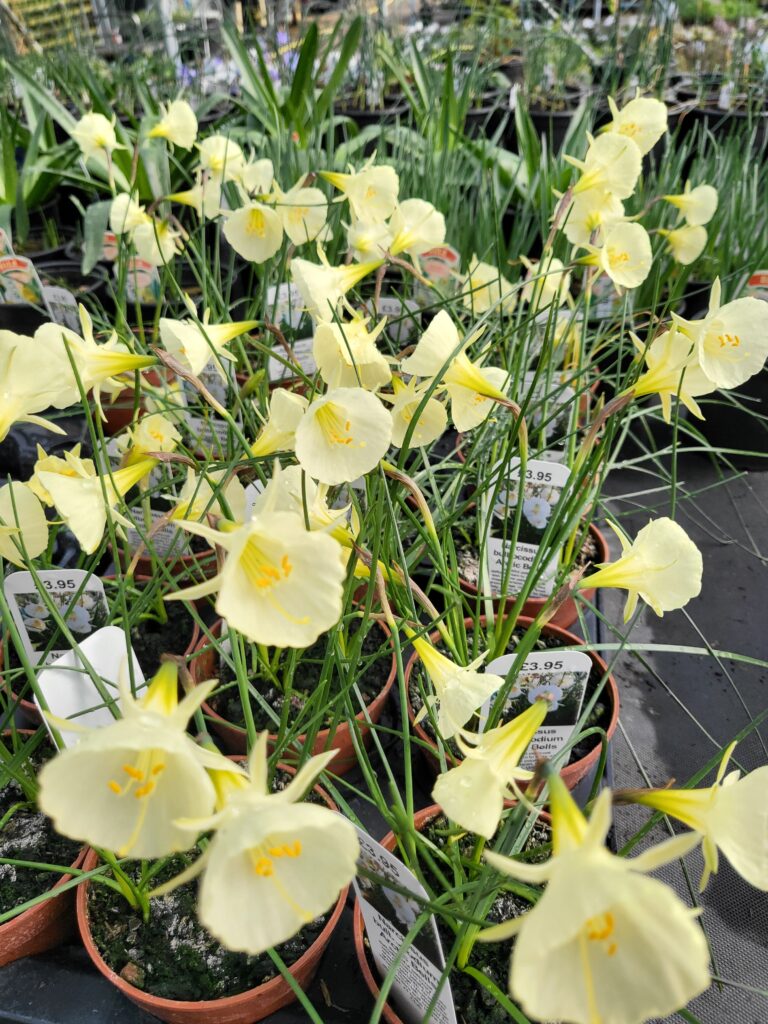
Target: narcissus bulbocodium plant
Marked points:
335	402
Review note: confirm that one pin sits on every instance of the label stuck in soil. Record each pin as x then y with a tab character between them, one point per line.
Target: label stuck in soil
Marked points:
560	678
78	598
389	916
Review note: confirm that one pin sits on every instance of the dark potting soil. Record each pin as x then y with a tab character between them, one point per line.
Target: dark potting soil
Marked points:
468	561
151	639
374	666
474	1004
172	955
28	835
599	716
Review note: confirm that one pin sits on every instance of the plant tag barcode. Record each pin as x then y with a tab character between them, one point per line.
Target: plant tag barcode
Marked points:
70	692
389	915
285	305
544	482
304	352
77	597
558	677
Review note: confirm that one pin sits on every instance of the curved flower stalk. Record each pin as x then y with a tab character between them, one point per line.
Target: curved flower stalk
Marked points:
643	119
623	947
612	164
124	785
178	125
347	356
472	389
662	565
697	205
85	500
22	524
459	691
343	435
274	864
731	341
484	287
322	286
371	192
731	816
286	409
417	227
686	243
431	421
194	345
625	254
280	584
473	793
200	496
673	369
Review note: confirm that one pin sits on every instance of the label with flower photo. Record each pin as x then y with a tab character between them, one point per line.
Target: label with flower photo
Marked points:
70	692
544	482
20	283
757	285
142	282
78	597
278	367
6	249
389	915
558	677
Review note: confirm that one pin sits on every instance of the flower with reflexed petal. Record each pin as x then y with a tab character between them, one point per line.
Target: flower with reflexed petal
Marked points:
473	793
686	243
673	369
343	435
662	565
322	286
221	158
612	164
731	340
417	226
178	125
255	232
589	214
697	205
621	948
731	816
207	494
431	419
125	215
156	242
368	240
32	378
22	524
123	785
195	344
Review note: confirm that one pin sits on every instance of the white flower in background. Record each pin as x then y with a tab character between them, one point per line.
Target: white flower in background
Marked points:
417	227
537	511
372	192
589	214
343	435
346	354
255	231
156	242
485	287
322	286
78	620
221	157
625	255
686	243
154	433
369	240
612	164
124	785
125	215
697	205
303	212
278	434
36	610
95	135
178	125
603	942
549	693
731	341
256	178
431	420
643	119
203	495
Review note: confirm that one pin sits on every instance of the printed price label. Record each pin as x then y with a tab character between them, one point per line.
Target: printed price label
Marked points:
389	916
285	305
71	693
304	351
400	313
63	307
560	678
544	481
78	598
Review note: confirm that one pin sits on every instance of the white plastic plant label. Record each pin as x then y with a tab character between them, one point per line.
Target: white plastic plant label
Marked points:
253	492
78	597
388	917
401	325
285	305
551	403
560	678
163	539
63	307
6	249
304	352
71	693
544	482
209	432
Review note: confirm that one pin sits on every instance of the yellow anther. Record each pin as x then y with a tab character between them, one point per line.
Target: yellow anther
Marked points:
133	773
115	787
264	867
144	790
158	768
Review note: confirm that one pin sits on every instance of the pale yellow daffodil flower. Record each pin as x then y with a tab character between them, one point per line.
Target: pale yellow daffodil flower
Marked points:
346	354
22	523
178	125
371	192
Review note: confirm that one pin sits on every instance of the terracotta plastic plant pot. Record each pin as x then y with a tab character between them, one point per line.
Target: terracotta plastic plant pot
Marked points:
567	614
235	740
244	1008
572	774
421	819
31	711
120	412
42	927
